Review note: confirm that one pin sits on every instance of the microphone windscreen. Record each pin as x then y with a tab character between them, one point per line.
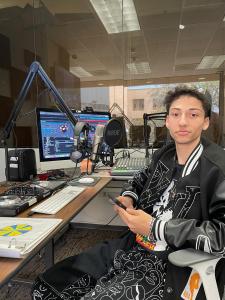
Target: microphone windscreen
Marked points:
75	156
113	132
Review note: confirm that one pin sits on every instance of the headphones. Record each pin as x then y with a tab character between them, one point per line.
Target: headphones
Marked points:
80	146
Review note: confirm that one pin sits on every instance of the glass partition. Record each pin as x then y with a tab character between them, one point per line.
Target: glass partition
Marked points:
117	55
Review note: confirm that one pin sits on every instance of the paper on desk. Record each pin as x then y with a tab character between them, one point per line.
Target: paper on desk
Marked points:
18	236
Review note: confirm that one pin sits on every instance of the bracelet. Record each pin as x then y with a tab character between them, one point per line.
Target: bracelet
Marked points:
150	235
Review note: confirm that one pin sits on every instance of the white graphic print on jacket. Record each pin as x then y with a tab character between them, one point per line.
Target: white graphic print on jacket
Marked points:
163	211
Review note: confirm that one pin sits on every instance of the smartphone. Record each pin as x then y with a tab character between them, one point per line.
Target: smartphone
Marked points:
117	202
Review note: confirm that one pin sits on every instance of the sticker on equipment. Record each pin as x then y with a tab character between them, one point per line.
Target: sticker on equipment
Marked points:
192	287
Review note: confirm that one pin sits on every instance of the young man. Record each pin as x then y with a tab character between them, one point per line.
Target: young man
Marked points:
176	202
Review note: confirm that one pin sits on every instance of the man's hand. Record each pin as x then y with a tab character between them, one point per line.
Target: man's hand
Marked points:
137	220
126	200
85	166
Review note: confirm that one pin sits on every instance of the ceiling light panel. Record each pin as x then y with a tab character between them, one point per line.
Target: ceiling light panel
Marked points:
117	15
211	62
139	68
80	72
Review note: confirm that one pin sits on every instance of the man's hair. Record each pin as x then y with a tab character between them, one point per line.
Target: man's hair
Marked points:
185	91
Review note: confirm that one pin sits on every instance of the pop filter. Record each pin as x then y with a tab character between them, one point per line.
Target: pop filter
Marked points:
113	132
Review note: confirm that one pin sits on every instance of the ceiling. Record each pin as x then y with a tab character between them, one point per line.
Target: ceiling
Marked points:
172	53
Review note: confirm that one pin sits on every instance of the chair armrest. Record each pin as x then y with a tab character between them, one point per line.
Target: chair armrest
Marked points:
188	257
203	263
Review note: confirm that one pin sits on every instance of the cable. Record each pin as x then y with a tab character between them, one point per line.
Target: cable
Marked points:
71	177
125	153
136	150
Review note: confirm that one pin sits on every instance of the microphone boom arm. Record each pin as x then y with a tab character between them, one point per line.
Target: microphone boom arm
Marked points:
35	69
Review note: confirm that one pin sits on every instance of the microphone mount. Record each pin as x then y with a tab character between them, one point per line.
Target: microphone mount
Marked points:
148	117
35	69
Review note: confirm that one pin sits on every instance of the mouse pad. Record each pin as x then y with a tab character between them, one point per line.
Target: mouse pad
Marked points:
75	182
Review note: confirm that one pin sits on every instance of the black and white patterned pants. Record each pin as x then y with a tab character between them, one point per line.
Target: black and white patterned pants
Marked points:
104	273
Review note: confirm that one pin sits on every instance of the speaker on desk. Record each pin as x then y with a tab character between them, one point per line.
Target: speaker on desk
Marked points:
21	165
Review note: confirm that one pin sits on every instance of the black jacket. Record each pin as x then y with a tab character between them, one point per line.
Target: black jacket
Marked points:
198	207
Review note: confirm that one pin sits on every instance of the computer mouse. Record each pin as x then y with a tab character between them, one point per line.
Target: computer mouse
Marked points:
86	180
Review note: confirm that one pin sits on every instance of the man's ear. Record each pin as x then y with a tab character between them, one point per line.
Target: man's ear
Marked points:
206	123
167	123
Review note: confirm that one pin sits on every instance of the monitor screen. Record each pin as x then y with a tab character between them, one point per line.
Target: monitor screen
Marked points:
56	132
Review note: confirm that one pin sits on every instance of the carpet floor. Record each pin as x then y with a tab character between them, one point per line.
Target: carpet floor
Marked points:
72	242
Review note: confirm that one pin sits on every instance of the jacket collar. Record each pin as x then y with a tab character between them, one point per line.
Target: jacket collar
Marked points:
192	160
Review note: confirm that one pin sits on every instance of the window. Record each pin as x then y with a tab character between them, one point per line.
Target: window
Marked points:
138	104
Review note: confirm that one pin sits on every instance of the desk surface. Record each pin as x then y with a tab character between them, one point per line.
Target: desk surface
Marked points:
10	266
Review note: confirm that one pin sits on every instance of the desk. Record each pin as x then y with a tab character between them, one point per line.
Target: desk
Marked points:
10	267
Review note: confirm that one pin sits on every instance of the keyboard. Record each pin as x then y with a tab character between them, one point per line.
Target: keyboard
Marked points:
57	201
128	166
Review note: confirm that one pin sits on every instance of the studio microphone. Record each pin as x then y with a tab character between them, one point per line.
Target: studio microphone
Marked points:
75	155
97	142
79	142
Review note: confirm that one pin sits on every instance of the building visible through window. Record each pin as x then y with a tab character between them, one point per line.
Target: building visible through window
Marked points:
138	104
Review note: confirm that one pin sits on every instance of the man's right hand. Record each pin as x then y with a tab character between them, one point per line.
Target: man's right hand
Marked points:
126	200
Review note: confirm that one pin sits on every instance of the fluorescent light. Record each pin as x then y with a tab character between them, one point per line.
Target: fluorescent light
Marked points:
80	72
117	15
211	62
139	68
201	78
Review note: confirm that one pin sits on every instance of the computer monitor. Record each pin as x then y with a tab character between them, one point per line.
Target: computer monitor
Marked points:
56	132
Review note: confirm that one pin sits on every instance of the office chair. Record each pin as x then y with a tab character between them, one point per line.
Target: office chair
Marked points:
204	264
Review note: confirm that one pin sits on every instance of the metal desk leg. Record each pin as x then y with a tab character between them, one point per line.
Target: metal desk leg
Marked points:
49	254
49	262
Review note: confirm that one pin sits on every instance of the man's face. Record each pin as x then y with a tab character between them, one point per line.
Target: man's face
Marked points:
186	120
